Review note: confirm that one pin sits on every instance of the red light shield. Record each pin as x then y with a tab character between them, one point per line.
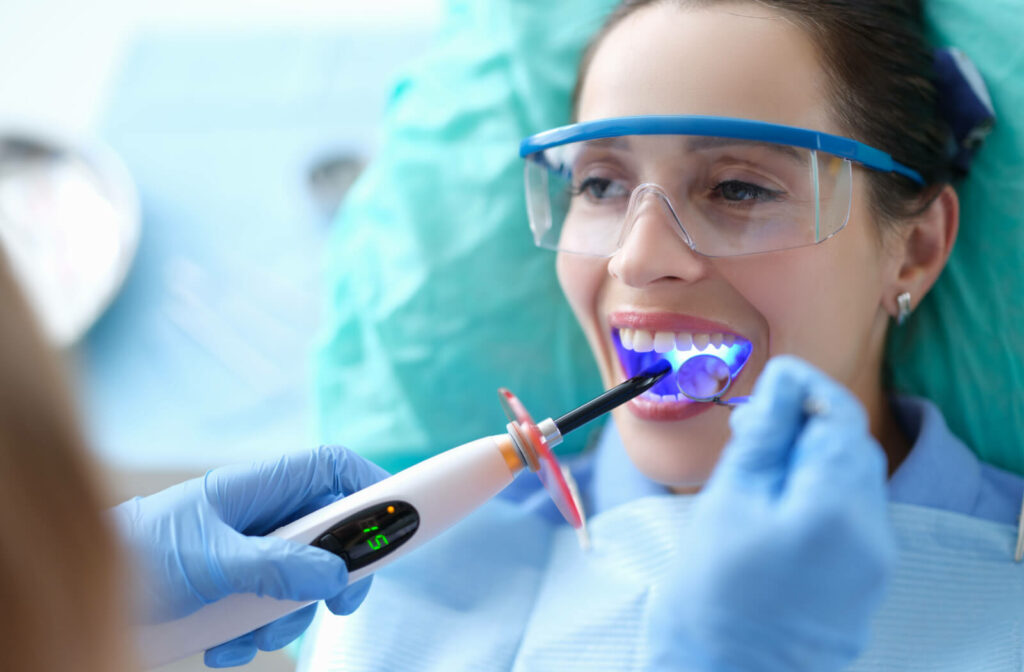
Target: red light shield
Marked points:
549	471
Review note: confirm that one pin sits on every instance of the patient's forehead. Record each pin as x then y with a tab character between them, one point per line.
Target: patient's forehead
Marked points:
737	60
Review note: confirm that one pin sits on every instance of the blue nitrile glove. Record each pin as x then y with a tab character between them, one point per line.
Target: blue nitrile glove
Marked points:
792	545
193	548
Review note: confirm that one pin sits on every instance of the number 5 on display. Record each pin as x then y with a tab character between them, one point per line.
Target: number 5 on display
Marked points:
376	542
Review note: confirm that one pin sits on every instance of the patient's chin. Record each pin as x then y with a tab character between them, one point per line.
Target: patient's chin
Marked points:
680	455
678	475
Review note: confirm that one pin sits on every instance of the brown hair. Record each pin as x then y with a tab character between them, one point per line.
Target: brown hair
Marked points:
59	576
883	91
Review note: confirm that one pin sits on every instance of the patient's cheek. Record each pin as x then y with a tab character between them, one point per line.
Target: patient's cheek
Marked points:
583	282
580	280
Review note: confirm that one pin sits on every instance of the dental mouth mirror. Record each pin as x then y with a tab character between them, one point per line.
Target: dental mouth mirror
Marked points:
706	378
376	525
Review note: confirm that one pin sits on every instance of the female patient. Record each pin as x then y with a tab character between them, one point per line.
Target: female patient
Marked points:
774	179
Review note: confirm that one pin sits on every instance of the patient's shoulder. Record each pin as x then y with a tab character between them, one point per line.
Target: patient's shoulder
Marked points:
1001	494
944	473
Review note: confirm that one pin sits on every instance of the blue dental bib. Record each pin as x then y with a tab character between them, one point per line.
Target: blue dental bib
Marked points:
504	591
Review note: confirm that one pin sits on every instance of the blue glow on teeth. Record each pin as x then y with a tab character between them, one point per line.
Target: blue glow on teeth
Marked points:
730	354
735	356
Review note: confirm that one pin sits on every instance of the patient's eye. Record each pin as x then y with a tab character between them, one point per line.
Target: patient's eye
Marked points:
737	191
600	188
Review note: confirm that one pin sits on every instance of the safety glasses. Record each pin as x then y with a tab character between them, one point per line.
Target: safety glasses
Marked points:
728	187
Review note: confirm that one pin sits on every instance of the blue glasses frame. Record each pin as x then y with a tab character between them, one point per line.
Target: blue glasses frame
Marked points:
722	127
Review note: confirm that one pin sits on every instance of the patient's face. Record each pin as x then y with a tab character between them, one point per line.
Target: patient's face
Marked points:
822	303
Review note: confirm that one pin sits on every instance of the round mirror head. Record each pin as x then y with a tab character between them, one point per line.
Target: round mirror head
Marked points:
703	378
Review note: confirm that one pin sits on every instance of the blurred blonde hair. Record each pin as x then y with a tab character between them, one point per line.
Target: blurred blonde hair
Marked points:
60	578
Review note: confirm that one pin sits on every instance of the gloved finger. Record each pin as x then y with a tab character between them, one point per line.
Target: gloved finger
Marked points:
837	499
279	568
836	459
348	600
284	630
238	651
763	430
260	497
314	504
837	487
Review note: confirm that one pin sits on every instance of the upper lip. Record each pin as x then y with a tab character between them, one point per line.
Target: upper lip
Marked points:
662	321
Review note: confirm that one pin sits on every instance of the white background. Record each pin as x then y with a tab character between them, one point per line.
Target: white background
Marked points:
57	57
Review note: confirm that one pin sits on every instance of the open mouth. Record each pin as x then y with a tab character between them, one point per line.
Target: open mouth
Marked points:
639	349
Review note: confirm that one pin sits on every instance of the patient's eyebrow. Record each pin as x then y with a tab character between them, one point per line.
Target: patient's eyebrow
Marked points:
696	143
618	142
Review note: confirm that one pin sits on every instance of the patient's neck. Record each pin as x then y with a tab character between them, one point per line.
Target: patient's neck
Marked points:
884	425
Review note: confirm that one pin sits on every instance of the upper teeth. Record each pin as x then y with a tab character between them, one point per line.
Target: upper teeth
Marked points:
642	340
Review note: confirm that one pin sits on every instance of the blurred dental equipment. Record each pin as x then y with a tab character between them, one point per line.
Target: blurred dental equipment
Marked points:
375	526
69	222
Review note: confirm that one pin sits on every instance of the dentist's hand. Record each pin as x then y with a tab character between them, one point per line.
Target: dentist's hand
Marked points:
193	545
792	548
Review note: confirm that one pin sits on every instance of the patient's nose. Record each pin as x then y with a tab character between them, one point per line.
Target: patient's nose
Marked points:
654	244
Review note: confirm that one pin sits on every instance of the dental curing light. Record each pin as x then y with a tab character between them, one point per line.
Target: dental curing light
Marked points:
377	525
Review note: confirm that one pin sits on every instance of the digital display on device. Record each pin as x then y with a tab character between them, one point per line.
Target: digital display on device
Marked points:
367	536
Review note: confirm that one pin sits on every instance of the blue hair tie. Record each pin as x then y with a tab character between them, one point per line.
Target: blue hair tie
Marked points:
965	104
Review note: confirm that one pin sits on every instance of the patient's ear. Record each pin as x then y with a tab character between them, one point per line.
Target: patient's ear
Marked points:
924	248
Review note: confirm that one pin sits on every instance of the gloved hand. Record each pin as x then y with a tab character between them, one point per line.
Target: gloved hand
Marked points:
793	547
193	546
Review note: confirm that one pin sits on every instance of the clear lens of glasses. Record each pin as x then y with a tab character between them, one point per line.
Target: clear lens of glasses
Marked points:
724	197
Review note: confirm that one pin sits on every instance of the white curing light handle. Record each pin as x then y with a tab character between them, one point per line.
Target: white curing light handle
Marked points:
440	491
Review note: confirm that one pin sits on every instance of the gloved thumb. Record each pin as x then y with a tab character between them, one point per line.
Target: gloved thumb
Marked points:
765	429
260	497
282	569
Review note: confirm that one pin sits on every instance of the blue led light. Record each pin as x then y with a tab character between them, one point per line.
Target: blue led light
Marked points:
735	356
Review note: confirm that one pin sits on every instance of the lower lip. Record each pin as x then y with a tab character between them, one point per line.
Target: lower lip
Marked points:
646	409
